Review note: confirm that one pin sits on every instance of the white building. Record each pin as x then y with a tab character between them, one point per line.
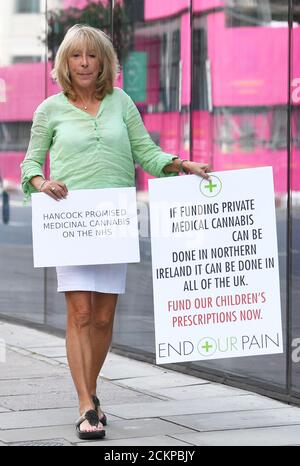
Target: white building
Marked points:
22	30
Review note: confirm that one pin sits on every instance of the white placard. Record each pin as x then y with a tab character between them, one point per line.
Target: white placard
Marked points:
215	266
90	226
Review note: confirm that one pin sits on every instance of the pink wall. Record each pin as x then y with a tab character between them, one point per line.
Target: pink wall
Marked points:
79	3
243	61
160	9
168	125
10	166
236	160
185	46
206	148
202	122
157	9
151	46
25	90
201	5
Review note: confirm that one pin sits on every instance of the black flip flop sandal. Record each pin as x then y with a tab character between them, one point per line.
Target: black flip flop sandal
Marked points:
96	402
93	419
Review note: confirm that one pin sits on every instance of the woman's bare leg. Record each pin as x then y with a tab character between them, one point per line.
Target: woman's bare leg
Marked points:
79	348
103	305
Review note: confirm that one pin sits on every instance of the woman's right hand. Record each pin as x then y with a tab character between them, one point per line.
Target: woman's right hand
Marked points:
55	189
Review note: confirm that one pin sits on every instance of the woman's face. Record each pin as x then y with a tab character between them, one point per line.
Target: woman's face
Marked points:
84	68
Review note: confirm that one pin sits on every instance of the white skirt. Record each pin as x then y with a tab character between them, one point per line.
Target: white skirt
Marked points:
103	278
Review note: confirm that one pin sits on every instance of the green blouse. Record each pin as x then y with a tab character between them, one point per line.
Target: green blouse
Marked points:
89	152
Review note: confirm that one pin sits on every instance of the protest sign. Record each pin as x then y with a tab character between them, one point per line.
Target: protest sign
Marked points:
215	266
90	226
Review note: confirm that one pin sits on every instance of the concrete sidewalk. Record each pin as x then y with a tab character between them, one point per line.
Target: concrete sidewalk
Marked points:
145	404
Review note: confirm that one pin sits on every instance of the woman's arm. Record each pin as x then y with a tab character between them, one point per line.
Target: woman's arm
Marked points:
188	167
144	151
55	189
150	156
39	144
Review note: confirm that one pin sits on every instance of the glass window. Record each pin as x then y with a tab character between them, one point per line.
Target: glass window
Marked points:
23	88
241	130
294	281
240	64
200	89
156	73
27	6
134	10
14	136
278	139
26	58
169	69
296	127
61	15
241	13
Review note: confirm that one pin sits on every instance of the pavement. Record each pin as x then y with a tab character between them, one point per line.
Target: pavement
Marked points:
146	405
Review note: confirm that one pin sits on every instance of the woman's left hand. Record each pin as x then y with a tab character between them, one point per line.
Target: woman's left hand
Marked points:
196	168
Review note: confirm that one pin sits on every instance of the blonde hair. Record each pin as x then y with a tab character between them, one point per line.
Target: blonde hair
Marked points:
77	37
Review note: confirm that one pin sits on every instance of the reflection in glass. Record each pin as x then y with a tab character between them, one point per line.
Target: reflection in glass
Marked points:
295	202
22	88
240	114
60	17
27	6
155	72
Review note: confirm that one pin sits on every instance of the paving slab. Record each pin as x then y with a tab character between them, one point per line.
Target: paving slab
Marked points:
37	401
205	405
27	386
37	418
265	436
50	351
53	442
66	431
24	337
121	429
62	360
155	441
4	410
25	365
239	419
54	392
34	371
116	429
117	367
163	379
193	392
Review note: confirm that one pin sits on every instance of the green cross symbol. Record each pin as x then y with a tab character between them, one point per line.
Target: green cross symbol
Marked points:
210	186
207	346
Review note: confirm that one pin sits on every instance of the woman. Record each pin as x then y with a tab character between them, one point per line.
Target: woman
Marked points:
95	134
